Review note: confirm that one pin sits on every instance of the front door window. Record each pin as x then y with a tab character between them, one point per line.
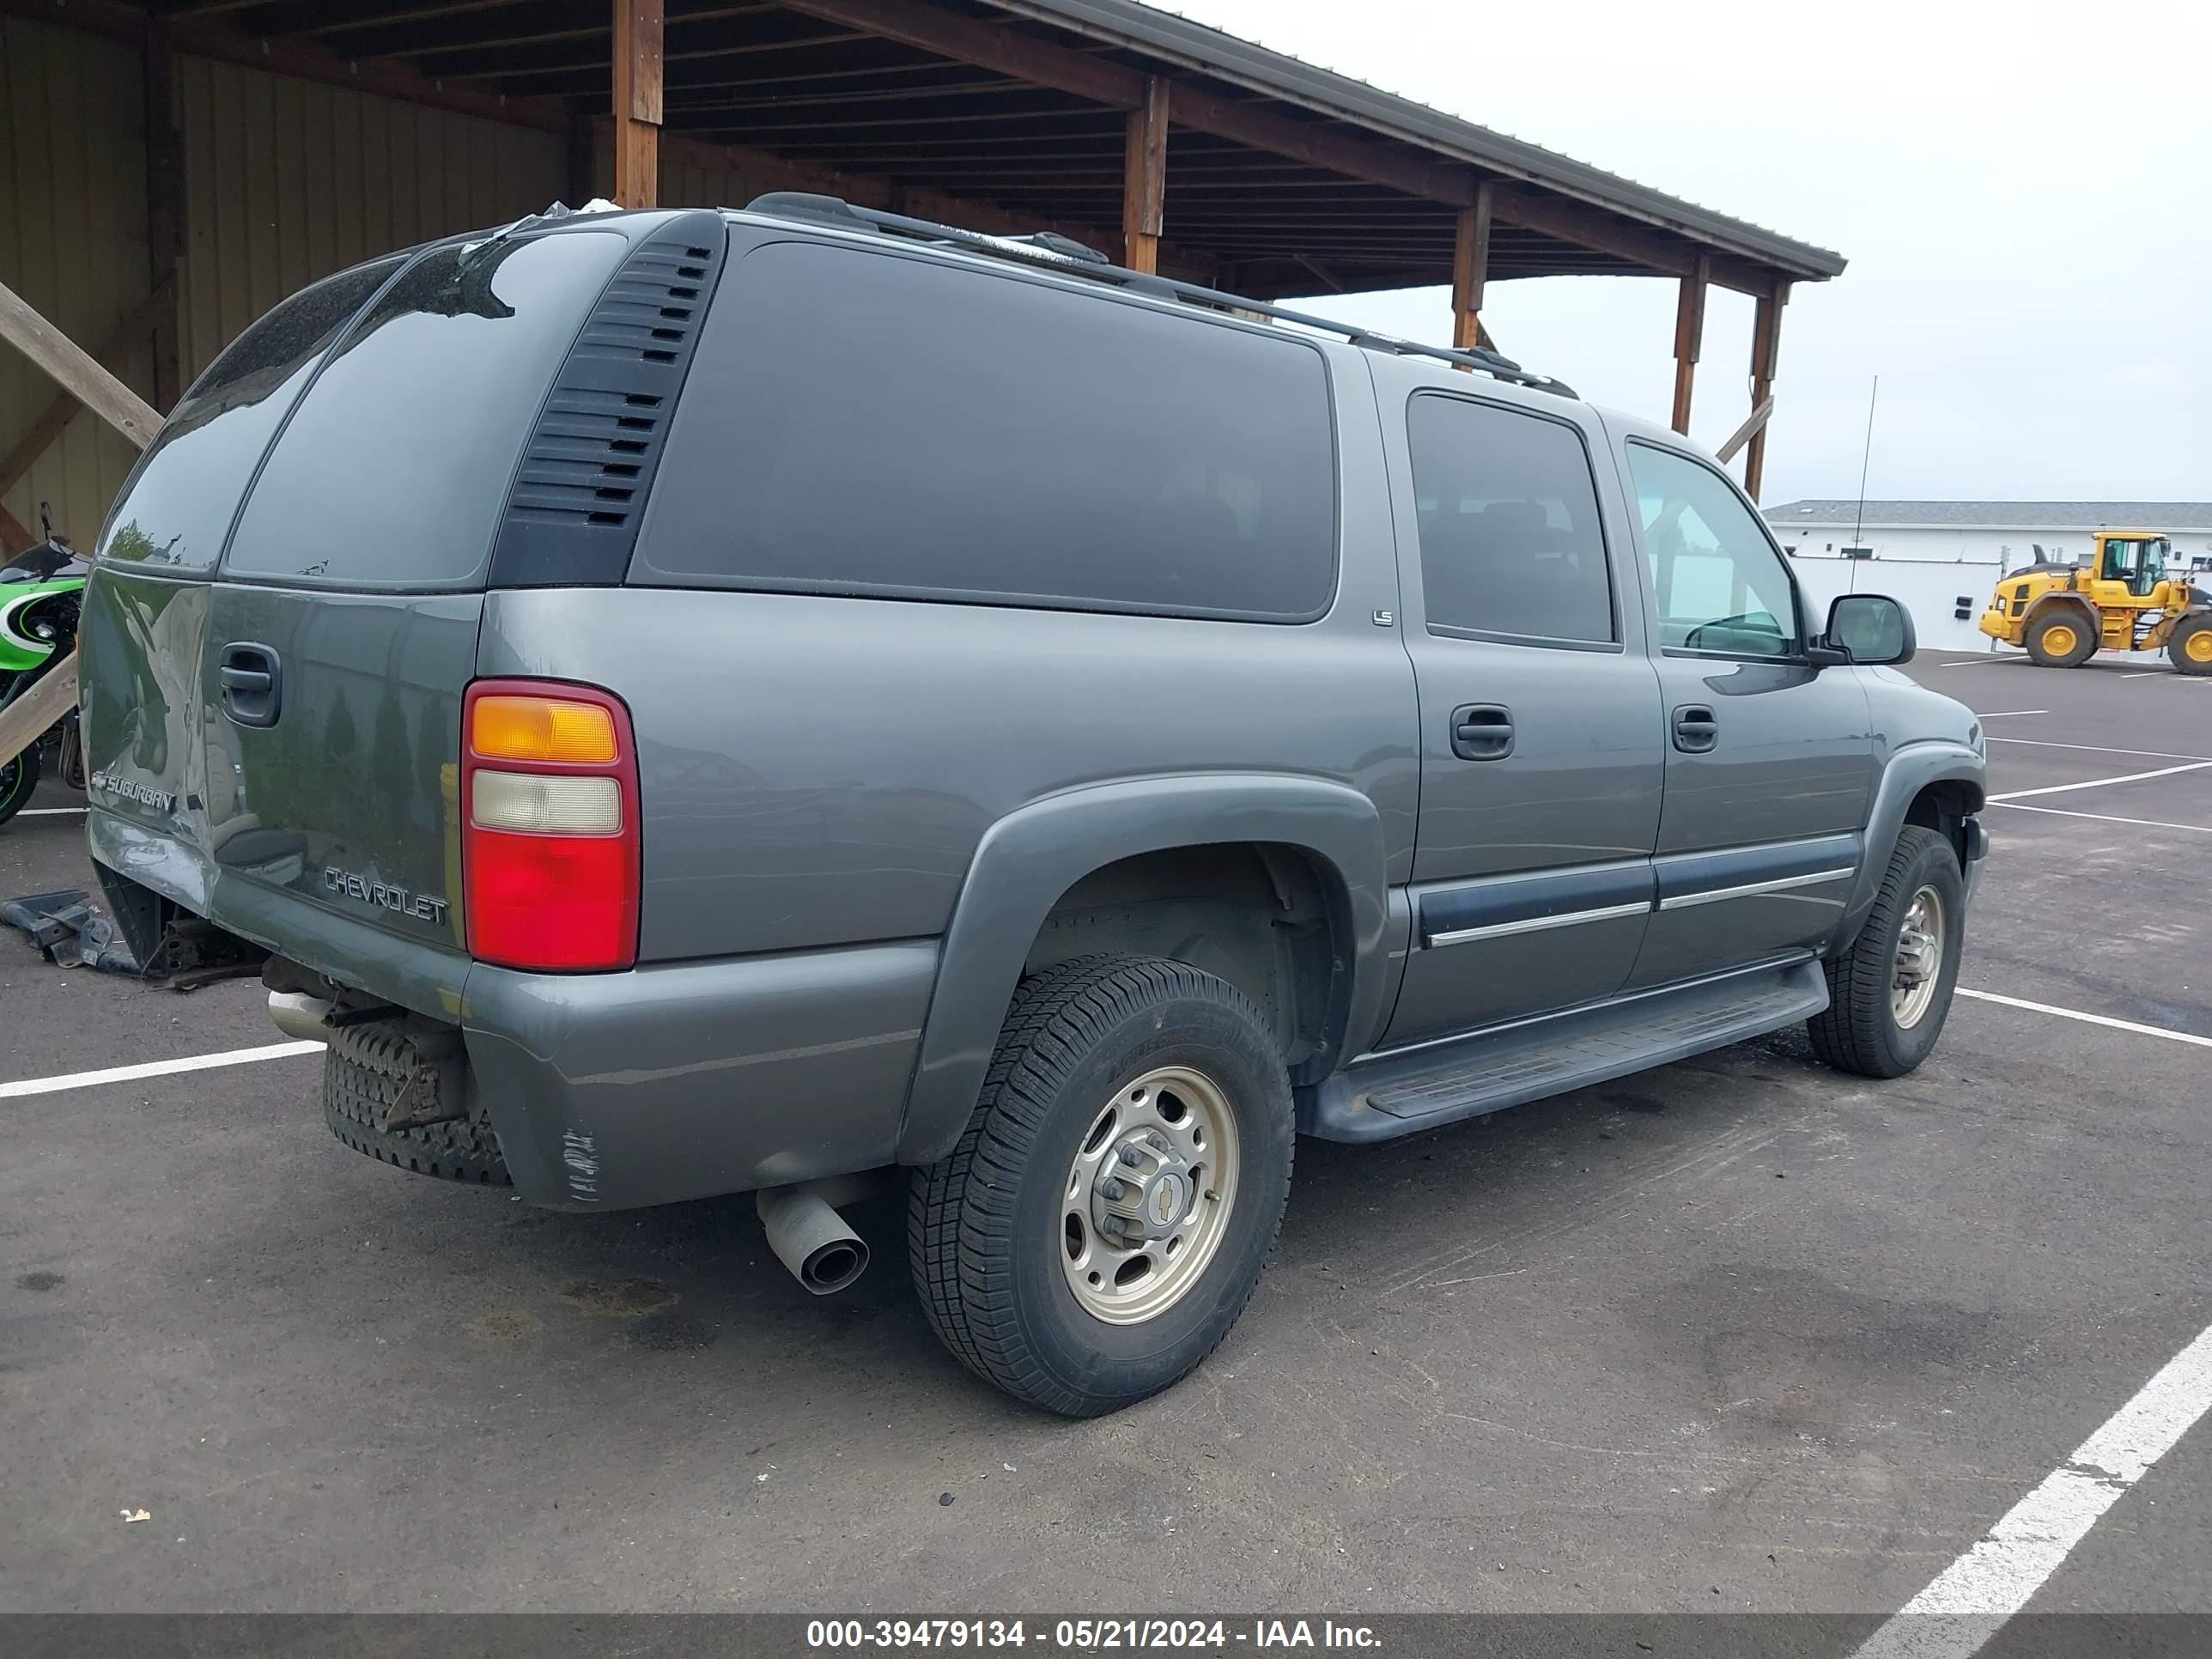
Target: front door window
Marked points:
1722	588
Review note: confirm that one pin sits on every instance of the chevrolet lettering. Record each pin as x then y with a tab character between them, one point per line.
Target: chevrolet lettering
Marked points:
423	907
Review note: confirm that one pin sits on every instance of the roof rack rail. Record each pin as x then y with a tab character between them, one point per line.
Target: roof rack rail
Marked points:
1065	254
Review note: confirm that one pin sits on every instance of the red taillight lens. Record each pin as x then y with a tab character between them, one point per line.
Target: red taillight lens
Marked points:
550	840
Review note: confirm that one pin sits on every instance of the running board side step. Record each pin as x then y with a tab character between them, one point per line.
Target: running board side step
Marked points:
1398	1094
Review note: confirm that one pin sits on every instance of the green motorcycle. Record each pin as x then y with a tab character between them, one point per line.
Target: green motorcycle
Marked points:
40	592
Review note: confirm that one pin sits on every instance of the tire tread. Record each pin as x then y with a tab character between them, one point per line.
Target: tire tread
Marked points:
1849	1034
960	1210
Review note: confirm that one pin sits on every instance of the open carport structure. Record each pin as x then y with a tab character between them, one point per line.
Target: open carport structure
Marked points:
168	171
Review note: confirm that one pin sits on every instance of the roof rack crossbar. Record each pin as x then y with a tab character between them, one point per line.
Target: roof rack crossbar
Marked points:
1072	258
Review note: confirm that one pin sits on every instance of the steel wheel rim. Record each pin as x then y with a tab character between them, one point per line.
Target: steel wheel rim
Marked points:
2198	645
1148	1198
2059	639
1918	961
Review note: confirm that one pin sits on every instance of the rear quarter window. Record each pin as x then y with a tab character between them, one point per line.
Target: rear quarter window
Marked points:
868	423
177	508
394	470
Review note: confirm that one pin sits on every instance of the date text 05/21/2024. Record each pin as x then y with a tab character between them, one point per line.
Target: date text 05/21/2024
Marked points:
1087	1635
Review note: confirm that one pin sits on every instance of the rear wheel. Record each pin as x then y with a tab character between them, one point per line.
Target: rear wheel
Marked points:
1103	1220
1889	993
18	779
2061	638
2189	645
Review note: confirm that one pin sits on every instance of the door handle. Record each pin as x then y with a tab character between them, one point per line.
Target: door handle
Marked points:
1482	731
252	684
1696	730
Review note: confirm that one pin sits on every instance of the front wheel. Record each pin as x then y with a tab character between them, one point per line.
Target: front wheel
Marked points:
1105	1216
1889	994
19	778
2189	645
2060	638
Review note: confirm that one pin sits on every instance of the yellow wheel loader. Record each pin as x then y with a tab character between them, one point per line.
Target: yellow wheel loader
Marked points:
2120	598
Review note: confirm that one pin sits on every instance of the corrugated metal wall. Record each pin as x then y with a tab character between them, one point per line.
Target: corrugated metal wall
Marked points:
284	181
72	243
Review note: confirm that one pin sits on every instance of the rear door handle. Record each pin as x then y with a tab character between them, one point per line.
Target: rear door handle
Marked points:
1696	730
1482	731
252	684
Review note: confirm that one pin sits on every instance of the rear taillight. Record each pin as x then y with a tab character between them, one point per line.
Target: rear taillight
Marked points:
549	846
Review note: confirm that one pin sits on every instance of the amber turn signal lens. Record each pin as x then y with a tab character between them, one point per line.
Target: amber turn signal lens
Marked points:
541	729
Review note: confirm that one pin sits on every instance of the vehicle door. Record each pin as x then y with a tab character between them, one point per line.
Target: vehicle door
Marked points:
1540	736
1770	760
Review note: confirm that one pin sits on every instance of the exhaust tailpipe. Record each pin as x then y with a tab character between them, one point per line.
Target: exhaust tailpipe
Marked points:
299	1015
811	1238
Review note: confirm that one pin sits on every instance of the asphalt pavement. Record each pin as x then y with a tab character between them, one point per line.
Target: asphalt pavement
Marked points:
1740	1335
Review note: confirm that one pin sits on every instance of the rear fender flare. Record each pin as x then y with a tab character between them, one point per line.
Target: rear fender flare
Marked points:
1910	770
1028	859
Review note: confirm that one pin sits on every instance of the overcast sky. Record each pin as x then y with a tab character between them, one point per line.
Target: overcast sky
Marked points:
2024	192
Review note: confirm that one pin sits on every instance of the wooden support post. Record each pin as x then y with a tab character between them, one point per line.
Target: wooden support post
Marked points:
80	376
15	534
165	215
637	102
25	720
1765	347
1470	268
1689	338
128	335
1753	424
1145	180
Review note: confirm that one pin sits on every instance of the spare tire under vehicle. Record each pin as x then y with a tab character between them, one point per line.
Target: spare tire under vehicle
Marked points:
367	1078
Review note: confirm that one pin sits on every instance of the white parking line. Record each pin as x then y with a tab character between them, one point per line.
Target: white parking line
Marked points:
2105	818
2098	783
47	1086
2007	714
2098	748
2089	1019
1975	1595
49	811
1982	662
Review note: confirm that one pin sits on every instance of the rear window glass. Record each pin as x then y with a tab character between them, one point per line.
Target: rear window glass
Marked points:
1509	538
394	470
178	507
858	423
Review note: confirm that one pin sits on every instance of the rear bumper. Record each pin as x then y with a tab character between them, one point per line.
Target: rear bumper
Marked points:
672	1081
689	1080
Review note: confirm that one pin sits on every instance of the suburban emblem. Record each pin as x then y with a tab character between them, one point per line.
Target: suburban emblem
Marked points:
110	783
423	907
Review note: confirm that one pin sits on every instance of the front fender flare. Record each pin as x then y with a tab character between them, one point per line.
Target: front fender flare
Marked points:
1028	859
2063	599
1910	770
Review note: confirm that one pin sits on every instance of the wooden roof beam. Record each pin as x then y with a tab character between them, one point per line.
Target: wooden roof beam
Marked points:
1317	143
299	59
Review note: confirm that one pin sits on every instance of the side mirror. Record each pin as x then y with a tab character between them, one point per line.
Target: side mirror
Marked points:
1870	629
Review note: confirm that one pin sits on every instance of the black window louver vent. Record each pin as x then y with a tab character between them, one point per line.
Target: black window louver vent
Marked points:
572	517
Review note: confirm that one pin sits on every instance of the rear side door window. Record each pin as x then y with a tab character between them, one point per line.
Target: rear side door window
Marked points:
1720	586
1511	548
861	422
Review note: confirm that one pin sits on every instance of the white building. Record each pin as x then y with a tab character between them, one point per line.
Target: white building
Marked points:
1941	557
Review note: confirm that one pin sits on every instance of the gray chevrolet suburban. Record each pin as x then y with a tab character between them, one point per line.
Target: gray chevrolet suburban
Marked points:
696	703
